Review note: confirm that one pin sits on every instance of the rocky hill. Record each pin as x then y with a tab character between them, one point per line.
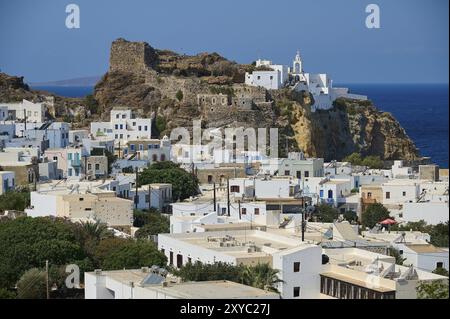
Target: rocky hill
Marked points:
178	88
13	89
175	89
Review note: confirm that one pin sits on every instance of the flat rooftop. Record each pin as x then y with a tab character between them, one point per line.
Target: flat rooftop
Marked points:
240	243
425	248
65	187
217	289
220	289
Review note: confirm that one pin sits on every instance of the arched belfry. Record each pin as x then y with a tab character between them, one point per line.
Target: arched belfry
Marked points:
297	66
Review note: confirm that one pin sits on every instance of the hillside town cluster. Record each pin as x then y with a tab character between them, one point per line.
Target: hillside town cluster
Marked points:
249	208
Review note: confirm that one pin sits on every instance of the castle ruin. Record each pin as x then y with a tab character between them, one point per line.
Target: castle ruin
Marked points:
129	56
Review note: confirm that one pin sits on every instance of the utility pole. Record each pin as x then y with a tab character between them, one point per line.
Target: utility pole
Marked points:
228	195
34	177
303	218
85	166
214	195
46	279
193	178
149	198
303	225
136	196
239	207
25	118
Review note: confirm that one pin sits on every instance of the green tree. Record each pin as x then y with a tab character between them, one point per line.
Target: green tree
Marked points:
183	183
142	218
134	254
441	271
151	229
106	247
179	95
261	276
203	272
350	216
370	161
160	124
89	234
436	289
420	225
27	243
95	230
326	213
398	258
32	285
374	162
15	200
150	223
354	159
374	214
6	294
91	104
439	234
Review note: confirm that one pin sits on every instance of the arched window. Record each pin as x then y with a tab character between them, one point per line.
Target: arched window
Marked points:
163	157
330	193
154	158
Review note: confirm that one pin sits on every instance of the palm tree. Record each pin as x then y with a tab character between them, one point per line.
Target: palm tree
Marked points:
261	276
95	230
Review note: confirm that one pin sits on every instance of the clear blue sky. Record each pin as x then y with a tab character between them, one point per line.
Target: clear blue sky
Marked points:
411	45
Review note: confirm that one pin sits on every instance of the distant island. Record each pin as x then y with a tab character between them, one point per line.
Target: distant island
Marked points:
84	81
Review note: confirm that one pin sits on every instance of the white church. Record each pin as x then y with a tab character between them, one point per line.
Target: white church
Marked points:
318	84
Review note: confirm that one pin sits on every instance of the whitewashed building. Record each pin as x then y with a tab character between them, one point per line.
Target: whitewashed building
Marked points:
353	273
80	201
153	283
272	79
26	110
160	198
123	126
298	264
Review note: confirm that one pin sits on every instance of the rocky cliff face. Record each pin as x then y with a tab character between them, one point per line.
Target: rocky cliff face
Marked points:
13	89
149	80
351	127
175	89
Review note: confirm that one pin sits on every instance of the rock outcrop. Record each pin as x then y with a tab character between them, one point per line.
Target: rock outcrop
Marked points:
13	89
175	89
150	81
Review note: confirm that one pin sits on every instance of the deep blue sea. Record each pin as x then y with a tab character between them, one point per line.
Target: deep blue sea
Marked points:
68	91
422	109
